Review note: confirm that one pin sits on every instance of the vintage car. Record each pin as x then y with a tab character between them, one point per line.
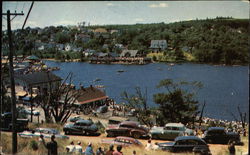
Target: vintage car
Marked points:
102	109
127	128
124	141
170	131
46	132
83	127
218	135
116	120
186	144
74	118
6	123
34	112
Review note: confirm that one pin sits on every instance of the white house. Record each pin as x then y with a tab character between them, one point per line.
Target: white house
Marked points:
158	45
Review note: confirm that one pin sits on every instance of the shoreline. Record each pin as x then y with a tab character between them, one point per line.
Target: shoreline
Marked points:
165	62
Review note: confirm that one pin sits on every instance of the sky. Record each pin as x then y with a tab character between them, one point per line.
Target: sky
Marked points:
54	13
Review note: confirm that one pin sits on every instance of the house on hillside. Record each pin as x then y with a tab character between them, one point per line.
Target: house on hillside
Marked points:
114	31
60	47
89	52
100	30
69	47
130	53
77	49
43	81
83	37
158	45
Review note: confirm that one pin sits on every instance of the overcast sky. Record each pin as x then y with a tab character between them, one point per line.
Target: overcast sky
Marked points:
121	12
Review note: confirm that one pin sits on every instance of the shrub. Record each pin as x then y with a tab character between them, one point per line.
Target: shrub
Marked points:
33	145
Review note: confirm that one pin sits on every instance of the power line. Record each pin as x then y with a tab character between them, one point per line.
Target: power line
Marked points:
28	14
16	5
23	6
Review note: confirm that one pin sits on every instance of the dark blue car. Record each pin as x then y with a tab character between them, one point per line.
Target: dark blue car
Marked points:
186	144
83	127
218	135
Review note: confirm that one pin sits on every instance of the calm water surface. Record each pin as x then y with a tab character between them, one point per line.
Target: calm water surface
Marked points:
224	87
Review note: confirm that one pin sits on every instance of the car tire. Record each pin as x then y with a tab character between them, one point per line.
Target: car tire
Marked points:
210	141
110	134
83	132
67	132
136	135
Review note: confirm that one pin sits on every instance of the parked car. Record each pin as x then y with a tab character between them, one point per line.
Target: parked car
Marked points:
6	122
124	141
84	127
102	109
75	118
170	131
127	128
34	112
116	120
46	132
186	144
218	135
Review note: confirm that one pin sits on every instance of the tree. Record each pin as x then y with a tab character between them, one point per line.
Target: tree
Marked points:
177	104
62	38
138	101
58	103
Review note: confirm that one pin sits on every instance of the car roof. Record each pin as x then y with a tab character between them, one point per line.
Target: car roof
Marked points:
46	129
83	121
134	123
175	124
118	118
127	138
188	138
216	128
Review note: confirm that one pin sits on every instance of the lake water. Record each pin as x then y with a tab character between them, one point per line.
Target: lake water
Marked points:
224	87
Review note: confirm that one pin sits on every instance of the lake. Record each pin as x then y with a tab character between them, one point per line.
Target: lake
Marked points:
224	87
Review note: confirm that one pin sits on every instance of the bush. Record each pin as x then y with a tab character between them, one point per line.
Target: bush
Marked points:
33	145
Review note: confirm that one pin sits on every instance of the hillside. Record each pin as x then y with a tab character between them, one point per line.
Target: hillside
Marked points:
220	40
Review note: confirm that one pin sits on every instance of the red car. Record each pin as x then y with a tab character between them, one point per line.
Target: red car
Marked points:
127	128
124	141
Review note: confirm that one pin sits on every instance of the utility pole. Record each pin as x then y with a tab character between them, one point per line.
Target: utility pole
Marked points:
12	81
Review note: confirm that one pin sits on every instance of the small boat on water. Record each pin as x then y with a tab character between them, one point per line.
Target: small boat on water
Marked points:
120	71
99	86
97	79
171	64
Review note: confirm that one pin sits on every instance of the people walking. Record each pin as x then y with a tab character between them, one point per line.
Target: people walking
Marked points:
71	147
51	146
99	151
78	147
231	148
118	150
89	150
111	150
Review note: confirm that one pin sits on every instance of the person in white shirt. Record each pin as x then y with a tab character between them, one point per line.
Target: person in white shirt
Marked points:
149	145
71	147
156	146
78	147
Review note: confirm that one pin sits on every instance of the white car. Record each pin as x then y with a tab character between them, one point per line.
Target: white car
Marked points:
34	112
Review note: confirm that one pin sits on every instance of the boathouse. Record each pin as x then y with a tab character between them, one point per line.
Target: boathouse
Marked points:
91	96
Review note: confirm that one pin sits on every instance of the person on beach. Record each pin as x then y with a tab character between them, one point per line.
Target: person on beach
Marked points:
231	148
51	146
149	145
71	147
134	152
89	150
118	150
111	150
99	151
78	147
